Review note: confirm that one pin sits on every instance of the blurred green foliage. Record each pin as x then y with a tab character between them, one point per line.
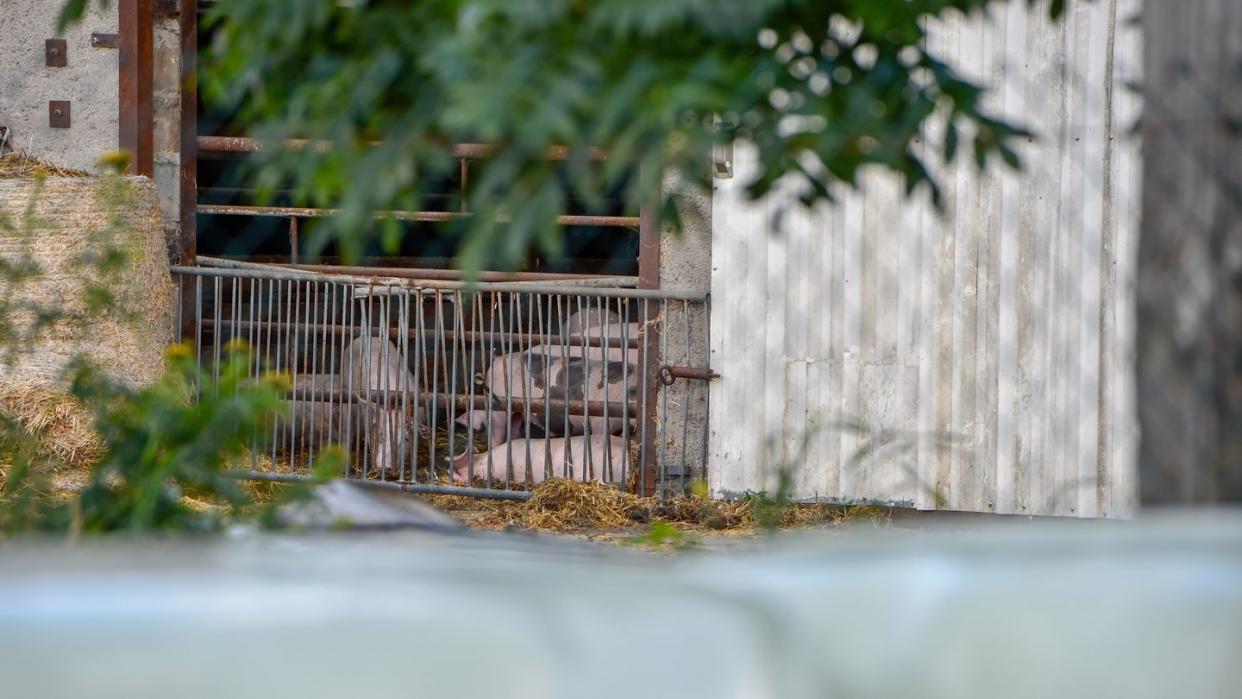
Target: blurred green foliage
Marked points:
175	437
160	443
822	88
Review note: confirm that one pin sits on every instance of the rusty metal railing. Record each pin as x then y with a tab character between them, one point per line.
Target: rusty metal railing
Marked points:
485	389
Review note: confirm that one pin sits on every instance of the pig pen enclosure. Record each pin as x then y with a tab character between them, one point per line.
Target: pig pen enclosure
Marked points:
440	386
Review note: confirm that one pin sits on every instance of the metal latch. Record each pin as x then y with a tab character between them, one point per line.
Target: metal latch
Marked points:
669	374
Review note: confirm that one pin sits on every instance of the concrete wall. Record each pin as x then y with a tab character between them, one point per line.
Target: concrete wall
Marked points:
88	82
166	105
685	265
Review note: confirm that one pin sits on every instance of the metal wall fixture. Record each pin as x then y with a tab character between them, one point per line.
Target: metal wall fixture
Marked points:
55	53
101	40
58	114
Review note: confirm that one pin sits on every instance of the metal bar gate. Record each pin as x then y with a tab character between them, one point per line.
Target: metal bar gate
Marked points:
484	389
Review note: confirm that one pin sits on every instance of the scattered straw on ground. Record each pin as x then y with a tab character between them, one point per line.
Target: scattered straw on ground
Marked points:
559	505
18	164
60	426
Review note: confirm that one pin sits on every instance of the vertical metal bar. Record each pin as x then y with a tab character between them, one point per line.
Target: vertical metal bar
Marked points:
562	323
291	335
420	340
198	335
649	278
706	389
507	343
403	322
135	84
364	371
293	239
330	317
386	360
546	341
566	452
436	340
178	329
604	364
529	473
255	369
623	313
315	338
685	423
188	20
273	308
459	322
354	418
215	333
662	463
234	328
465	184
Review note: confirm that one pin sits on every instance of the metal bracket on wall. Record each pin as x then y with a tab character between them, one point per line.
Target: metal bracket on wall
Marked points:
58	114
103	41
55	53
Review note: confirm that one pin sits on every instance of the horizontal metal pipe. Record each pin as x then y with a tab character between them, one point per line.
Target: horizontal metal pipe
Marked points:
467	151
421	216
479	336
393	400
418	273
425	488
409	285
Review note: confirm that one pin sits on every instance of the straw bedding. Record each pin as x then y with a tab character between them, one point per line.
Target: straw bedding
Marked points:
560	505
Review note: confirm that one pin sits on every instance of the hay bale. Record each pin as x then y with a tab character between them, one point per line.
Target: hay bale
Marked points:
61	426
20	165
57	223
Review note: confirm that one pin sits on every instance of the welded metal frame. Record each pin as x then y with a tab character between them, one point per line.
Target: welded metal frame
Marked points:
307	323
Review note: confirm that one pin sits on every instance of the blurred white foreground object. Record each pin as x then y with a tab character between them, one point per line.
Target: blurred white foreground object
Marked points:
1151	608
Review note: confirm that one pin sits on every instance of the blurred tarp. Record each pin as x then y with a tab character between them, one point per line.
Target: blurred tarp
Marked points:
1151	608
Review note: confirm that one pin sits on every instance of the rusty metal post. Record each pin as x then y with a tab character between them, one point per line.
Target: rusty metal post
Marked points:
293	240
137	123
649	278
188	21
188	230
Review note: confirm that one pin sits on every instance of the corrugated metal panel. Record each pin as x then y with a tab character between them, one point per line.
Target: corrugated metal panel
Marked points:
977	360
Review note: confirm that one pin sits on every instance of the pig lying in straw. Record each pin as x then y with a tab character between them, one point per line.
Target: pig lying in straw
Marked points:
595	458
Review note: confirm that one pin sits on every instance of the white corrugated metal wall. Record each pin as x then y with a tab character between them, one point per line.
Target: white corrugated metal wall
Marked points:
977	360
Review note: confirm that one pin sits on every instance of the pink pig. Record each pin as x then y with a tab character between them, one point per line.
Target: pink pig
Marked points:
498	424
596	458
